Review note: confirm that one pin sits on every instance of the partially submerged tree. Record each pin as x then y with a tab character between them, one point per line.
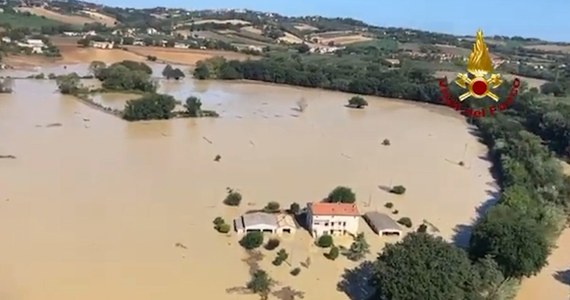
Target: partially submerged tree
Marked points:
193	106
260	283
357	102
422	266
6	85
96	66
69	84
342	194
358	249
149	107
252	240
169	72
516	242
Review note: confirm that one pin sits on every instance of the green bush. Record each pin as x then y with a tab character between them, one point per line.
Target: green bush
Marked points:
333	253
233	199
422	228
295	208
398	190
296	271
272	207
219	221
252	240
342	194
389	205
357	102
405	221
386	142
223	228
325	241
272	244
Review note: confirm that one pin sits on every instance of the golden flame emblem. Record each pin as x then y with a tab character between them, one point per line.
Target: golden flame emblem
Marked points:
480	67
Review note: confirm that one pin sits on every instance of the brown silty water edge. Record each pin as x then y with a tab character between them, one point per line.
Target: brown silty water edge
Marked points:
92	209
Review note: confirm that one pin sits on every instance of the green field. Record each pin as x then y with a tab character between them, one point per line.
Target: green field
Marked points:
21	20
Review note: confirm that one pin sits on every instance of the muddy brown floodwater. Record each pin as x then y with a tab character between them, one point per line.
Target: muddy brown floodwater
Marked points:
93	209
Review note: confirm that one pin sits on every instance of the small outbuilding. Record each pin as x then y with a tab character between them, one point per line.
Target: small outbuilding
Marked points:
265	222
382	224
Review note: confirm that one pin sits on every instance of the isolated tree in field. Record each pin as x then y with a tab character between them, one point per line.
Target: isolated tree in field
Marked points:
252	240
342	194
422	266
516	242
357	102
193	106
260	283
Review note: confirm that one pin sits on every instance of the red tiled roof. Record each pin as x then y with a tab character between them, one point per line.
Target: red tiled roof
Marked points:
334	209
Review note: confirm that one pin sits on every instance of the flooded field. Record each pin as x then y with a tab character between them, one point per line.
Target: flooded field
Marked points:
92	207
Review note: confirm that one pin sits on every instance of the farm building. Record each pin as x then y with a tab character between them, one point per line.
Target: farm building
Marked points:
265	222
382	224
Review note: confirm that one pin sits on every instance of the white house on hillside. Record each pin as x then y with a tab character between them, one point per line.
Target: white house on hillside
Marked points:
332	218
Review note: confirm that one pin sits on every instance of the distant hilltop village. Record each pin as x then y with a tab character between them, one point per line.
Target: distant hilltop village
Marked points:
259	33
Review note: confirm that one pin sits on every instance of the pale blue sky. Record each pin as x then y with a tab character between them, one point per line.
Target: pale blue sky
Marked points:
546	19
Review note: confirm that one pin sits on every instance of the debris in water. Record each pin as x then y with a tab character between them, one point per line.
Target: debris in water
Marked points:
54	125
346	156
251	143
217	158
8	156
180	245
207	140
86	119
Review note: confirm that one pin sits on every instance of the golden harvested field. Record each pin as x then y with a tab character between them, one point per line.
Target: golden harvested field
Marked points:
289	38
345	40
252	29
101	18
551	48
183	56
232	21
40	11
305	27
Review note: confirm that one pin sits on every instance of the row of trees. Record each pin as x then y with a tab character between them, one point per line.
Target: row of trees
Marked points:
407	83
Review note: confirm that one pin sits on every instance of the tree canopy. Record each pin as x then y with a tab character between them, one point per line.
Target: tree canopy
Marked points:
422	266
149	107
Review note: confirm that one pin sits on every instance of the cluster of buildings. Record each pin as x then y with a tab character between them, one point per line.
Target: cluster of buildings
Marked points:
36	46
321	219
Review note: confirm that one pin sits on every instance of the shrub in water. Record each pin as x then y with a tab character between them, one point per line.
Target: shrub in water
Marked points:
406	222
325	241
398	190
272	206
296	271
389	205
272	244
422	228
252	240
233	199
333	253
219	221
223	228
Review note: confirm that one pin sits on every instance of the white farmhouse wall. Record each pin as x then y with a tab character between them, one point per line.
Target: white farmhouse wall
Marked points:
333	225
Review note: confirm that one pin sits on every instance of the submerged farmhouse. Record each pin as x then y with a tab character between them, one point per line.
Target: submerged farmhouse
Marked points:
265	222
332	218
